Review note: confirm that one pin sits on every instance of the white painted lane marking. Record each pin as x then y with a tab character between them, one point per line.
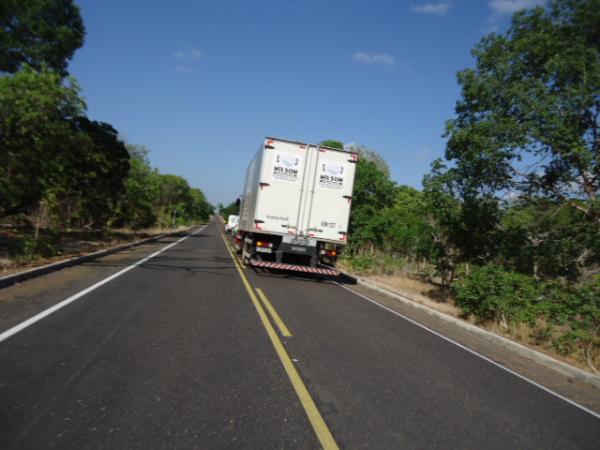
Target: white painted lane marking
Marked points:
473	352
14	330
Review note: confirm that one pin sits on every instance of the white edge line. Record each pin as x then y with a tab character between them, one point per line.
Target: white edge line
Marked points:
14	330
473	352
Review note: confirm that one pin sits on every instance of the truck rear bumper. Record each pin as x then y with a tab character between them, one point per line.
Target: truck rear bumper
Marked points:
293	267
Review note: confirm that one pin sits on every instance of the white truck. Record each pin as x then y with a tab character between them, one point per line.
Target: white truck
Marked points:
295	208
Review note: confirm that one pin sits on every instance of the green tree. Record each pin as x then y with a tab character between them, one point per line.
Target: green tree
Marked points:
39	33
526	126
201	208
527	121
94	172
174	200
37	112
409	231
332	143
373	193
135	208
544	238
373	156
232	208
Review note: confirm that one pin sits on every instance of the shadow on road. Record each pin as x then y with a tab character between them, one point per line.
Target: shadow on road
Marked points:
302	276
178	263
192	265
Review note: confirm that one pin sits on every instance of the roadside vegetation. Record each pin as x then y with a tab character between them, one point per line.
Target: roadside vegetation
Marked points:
508	225
63	174
226	211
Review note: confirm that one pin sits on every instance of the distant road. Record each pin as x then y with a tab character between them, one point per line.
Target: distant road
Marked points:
188	349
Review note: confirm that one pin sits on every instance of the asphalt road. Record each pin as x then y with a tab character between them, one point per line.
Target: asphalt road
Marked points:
183	351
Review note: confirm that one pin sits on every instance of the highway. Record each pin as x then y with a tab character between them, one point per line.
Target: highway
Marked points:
176	345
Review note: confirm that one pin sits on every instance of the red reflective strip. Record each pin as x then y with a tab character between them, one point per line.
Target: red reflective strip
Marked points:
292	267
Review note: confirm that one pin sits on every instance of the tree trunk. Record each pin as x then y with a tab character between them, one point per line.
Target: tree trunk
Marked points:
37	222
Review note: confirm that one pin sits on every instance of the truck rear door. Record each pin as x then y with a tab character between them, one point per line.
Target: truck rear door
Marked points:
280	187
329	209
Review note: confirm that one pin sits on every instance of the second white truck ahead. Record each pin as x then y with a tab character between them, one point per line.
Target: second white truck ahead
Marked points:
295	208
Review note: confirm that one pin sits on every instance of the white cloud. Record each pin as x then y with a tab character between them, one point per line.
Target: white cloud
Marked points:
505	7
432	8
182	68
374	58
187	59
188	54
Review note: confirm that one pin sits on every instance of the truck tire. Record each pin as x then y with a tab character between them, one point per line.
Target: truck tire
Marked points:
245	253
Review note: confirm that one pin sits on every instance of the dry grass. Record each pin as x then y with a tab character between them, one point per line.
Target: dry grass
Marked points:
537	338
415	289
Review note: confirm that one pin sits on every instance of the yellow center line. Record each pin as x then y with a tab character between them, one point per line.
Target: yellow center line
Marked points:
280	324
232	251
310	408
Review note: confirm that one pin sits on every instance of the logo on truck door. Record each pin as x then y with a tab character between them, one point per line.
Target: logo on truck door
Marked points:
286	167
331	175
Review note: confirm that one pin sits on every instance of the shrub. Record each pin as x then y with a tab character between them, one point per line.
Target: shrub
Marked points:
359	263
559	314
493	293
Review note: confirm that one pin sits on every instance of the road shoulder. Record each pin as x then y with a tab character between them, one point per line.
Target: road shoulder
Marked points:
20	301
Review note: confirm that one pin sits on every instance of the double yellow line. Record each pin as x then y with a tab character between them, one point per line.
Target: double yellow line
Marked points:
310	408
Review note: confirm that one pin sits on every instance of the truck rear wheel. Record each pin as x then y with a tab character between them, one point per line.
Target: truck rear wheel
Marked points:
245	252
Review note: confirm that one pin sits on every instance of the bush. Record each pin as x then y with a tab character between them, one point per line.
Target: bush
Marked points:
571	312
359	263
384	263
493	293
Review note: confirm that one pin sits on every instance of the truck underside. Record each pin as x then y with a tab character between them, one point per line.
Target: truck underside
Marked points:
288	253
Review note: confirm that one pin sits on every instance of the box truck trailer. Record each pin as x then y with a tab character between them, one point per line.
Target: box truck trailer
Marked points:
295	207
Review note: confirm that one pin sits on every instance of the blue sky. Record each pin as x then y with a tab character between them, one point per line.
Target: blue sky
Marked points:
200	83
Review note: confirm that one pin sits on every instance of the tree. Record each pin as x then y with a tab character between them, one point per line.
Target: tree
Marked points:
37	112
201	209
232	208
528	118
95	171
135	208
332	143
373	193
544	238
526	127
174	200
39	33
373	156
409	231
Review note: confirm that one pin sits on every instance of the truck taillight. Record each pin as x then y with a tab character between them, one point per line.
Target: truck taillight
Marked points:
330	252
264	244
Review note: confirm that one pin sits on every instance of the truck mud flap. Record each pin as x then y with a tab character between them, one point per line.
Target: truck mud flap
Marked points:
293	267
